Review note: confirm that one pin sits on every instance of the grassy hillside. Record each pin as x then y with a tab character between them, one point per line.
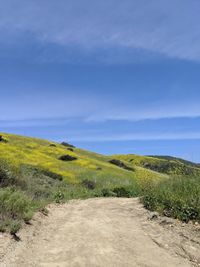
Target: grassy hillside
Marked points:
34	172
162	164
28	155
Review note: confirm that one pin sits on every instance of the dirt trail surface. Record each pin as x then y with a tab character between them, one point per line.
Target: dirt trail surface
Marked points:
101	232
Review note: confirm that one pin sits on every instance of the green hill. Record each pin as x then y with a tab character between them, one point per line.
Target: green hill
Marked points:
35	172
27	156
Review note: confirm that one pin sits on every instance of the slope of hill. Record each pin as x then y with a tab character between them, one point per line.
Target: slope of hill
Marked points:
162	164
27	156
34	172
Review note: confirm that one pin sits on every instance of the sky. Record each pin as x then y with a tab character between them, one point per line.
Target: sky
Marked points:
110	76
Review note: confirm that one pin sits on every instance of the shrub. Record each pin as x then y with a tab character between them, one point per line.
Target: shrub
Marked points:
107	193
9	175
121	192
15	207
51	174
89	184
67	144
52	145
121	164
67	158
3	139
13	203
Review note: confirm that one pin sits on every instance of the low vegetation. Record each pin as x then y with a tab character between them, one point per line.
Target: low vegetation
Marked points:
177	197
36	172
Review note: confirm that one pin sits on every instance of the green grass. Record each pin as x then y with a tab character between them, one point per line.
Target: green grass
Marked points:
177	197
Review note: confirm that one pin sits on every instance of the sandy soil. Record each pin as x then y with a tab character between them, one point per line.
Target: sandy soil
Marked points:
102	232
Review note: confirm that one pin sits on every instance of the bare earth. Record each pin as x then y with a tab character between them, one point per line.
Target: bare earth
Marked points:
101	232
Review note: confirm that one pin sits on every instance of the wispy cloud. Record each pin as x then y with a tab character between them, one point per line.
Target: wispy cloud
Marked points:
47	107
148	111
76	130
26	123
33	109
167	27
135	137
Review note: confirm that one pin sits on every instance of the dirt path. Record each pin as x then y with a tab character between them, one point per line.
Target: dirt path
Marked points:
99	232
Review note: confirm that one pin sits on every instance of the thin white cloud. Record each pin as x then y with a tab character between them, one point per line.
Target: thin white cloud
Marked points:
50	105
34	123
90	108
135	137
167	27
153	111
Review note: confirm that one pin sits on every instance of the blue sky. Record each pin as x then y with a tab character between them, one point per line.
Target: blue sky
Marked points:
109	76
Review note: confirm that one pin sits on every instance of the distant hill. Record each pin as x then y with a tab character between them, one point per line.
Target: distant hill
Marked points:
187	162
163	164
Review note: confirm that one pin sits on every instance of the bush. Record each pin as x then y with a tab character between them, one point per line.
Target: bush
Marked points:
3	139
15	207
121	164
13	203
51	174
9	176
67	158
121	192
89	184
107	193
52	145
67	144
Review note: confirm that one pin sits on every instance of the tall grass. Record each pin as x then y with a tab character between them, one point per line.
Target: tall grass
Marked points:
177	197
